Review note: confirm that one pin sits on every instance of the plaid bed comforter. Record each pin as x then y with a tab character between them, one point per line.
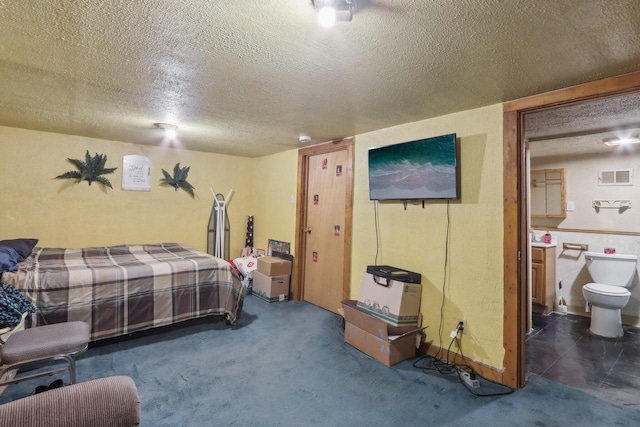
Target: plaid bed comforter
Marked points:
122	289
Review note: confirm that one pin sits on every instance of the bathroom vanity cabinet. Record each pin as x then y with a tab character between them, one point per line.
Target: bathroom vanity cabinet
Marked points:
543	278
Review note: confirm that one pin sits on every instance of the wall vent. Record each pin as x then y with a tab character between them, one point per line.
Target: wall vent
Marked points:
615	177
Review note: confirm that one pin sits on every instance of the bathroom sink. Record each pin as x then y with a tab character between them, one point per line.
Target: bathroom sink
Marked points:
543	245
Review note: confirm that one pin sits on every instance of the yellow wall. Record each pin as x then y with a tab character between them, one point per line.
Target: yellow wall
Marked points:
273	201
414	239
63	214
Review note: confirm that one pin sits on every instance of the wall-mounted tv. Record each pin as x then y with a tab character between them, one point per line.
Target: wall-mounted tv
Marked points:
415	170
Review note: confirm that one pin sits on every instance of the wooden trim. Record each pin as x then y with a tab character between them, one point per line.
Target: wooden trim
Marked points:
515	209
326	147
301	193
348	222
512	314
485	371
598	89
581	230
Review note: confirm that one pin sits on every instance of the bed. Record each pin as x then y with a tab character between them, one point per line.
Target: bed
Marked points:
118	290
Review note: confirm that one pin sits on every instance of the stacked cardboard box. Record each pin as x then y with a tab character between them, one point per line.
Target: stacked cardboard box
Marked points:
271	279
382	341
385	321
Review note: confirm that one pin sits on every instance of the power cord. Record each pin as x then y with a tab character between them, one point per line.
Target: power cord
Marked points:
464	372
444	278
376	225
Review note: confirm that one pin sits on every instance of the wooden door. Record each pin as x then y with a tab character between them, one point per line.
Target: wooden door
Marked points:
326	200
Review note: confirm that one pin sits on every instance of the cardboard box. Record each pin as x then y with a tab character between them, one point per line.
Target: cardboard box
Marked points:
272	266
376	338
398	303
270	288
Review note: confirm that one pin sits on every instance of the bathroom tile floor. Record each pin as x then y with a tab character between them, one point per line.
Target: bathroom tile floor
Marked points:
561	348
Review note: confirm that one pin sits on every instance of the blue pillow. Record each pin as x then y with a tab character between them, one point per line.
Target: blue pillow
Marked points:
9	259
24	247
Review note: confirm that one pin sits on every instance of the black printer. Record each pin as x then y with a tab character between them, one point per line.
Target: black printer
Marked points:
393	273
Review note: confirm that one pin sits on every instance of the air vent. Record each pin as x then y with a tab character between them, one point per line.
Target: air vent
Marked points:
616	177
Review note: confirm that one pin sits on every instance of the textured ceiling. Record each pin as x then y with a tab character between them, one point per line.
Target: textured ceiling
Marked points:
581	128
248	77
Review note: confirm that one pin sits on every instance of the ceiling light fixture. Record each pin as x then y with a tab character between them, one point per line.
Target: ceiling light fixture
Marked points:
621	141
330	11
169	129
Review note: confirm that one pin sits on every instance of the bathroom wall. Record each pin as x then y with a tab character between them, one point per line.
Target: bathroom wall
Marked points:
581	178
603	228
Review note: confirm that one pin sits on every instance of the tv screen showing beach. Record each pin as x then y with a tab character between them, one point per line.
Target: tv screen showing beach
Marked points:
422	169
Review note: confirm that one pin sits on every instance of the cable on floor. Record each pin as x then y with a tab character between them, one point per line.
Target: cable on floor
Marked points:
447	367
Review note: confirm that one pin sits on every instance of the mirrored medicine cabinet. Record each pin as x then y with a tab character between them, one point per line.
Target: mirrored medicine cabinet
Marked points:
547	192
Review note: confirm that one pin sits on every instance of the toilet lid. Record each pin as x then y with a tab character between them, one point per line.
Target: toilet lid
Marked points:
599	288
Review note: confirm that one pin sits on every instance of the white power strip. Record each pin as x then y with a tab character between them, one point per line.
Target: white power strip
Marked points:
467	379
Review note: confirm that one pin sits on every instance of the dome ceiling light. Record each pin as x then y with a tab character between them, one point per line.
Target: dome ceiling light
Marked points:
621	141
170	130
330	11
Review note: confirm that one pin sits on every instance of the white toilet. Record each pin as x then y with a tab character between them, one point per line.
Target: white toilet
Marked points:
612	274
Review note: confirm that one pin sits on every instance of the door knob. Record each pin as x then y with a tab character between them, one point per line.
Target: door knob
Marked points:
307	230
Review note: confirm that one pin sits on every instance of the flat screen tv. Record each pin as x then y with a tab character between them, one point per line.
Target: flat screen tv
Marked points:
415	170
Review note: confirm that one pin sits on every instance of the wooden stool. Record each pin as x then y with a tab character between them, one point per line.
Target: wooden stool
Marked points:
36	346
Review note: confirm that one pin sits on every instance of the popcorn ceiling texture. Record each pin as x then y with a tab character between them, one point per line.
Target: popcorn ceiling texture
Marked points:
581	128
247	78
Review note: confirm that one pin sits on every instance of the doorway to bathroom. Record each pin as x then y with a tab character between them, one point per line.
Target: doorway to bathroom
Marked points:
517	237
580	193
568	151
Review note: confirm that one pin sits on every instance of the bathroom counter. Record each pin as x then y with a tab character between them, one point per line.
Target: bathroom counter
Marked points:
543	245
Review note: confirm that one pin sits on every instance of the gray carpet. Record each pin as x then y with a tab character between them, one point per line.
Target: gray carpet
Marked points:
286	364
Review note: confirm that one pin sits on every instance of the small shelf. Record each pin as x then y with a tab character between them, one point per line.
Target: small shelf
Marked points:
613	204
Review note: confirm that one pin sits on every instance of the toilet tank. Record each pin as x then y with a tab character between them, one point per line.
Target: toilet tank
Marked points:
611	269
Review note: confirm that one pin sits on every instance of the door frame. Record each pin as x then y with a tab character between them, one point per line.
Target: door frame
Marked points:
301	212
515	211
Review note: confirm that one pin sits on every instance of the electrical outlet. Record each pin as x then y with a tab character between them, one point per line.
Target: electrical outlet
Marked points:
464	325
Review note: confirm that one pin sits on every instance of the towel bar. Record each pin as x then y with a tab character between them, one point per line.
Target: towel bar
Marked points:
575	246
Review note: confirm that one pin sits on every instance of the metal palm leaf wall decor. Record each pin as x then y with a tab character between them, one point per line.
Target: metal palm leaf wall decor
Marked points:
179	179
90	170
